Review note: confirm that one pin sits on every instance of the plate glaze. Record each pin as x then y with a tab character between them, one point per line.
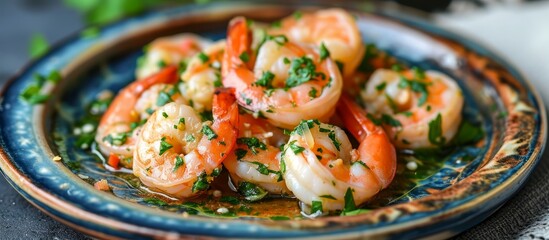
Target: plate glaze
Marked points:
455	196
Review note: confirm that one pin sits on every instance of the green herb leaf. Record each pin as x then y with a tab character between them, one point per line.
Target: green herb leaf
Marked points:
324	53
468	133
164	146
90	32
435	131
251	192
209	132
295	148
240	153
312	93
230	199
38	46
381	86
316	206
336	142
253	144
266	80
301	71
349	201
328	197
178	163
201	183
203	57
244	57
189	138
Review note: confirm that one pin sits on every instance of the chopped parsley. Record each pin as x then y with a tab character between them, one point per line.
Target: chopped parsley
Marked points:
276	24
164	114
244	57
380	87
312	93
340	65
336	142
328	197
164	146
251	192
203	57
230	199
301	71
266	80
240	153
297	15
189	138
217	82
116	139
324	53
178	163
316	206
201	183
385	119
349	201
417	87
295	148
209	132
435	131
278	39
253	144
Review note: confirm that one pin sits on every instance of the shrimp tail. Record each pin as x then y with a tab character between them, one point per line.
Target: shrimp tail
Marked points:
376	150
128	96
225	113
239	40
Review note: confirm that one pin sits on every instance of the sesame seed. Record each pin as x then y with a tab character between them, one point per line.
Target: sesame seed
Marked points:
56	158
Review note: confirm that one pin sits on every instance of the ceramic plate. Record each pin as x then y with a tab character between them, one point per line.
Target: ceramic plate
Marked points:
442	197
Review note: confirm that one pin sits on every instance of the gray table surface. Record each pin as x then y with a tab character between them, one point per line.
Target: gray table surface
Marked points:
525	216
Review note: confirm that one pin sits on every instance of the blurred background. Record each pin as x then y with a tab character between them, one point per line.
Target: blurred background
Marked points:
516	29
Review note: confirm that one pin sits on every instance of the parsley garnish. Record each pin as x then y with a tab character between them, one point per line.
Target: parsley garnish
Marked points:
312	93
381	86
178	163
209	132
297	15
266	80
201	183
316	206
189	138
295	148
251	192
240	153
244	57
301	71
349	201
253	144
324	53
164	146
328	197
435	131
415	86
332	137
203	57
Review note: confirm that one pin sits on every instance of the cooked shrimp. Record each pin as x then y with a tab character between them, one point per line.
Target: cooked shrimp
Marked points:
256	157
117	132
321	166
285	82
336	29
414	99
178	154
202	76
169	51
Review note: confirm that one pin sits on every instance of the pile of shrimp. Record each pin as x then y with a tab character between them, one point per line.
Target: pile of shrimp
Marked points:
269	104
